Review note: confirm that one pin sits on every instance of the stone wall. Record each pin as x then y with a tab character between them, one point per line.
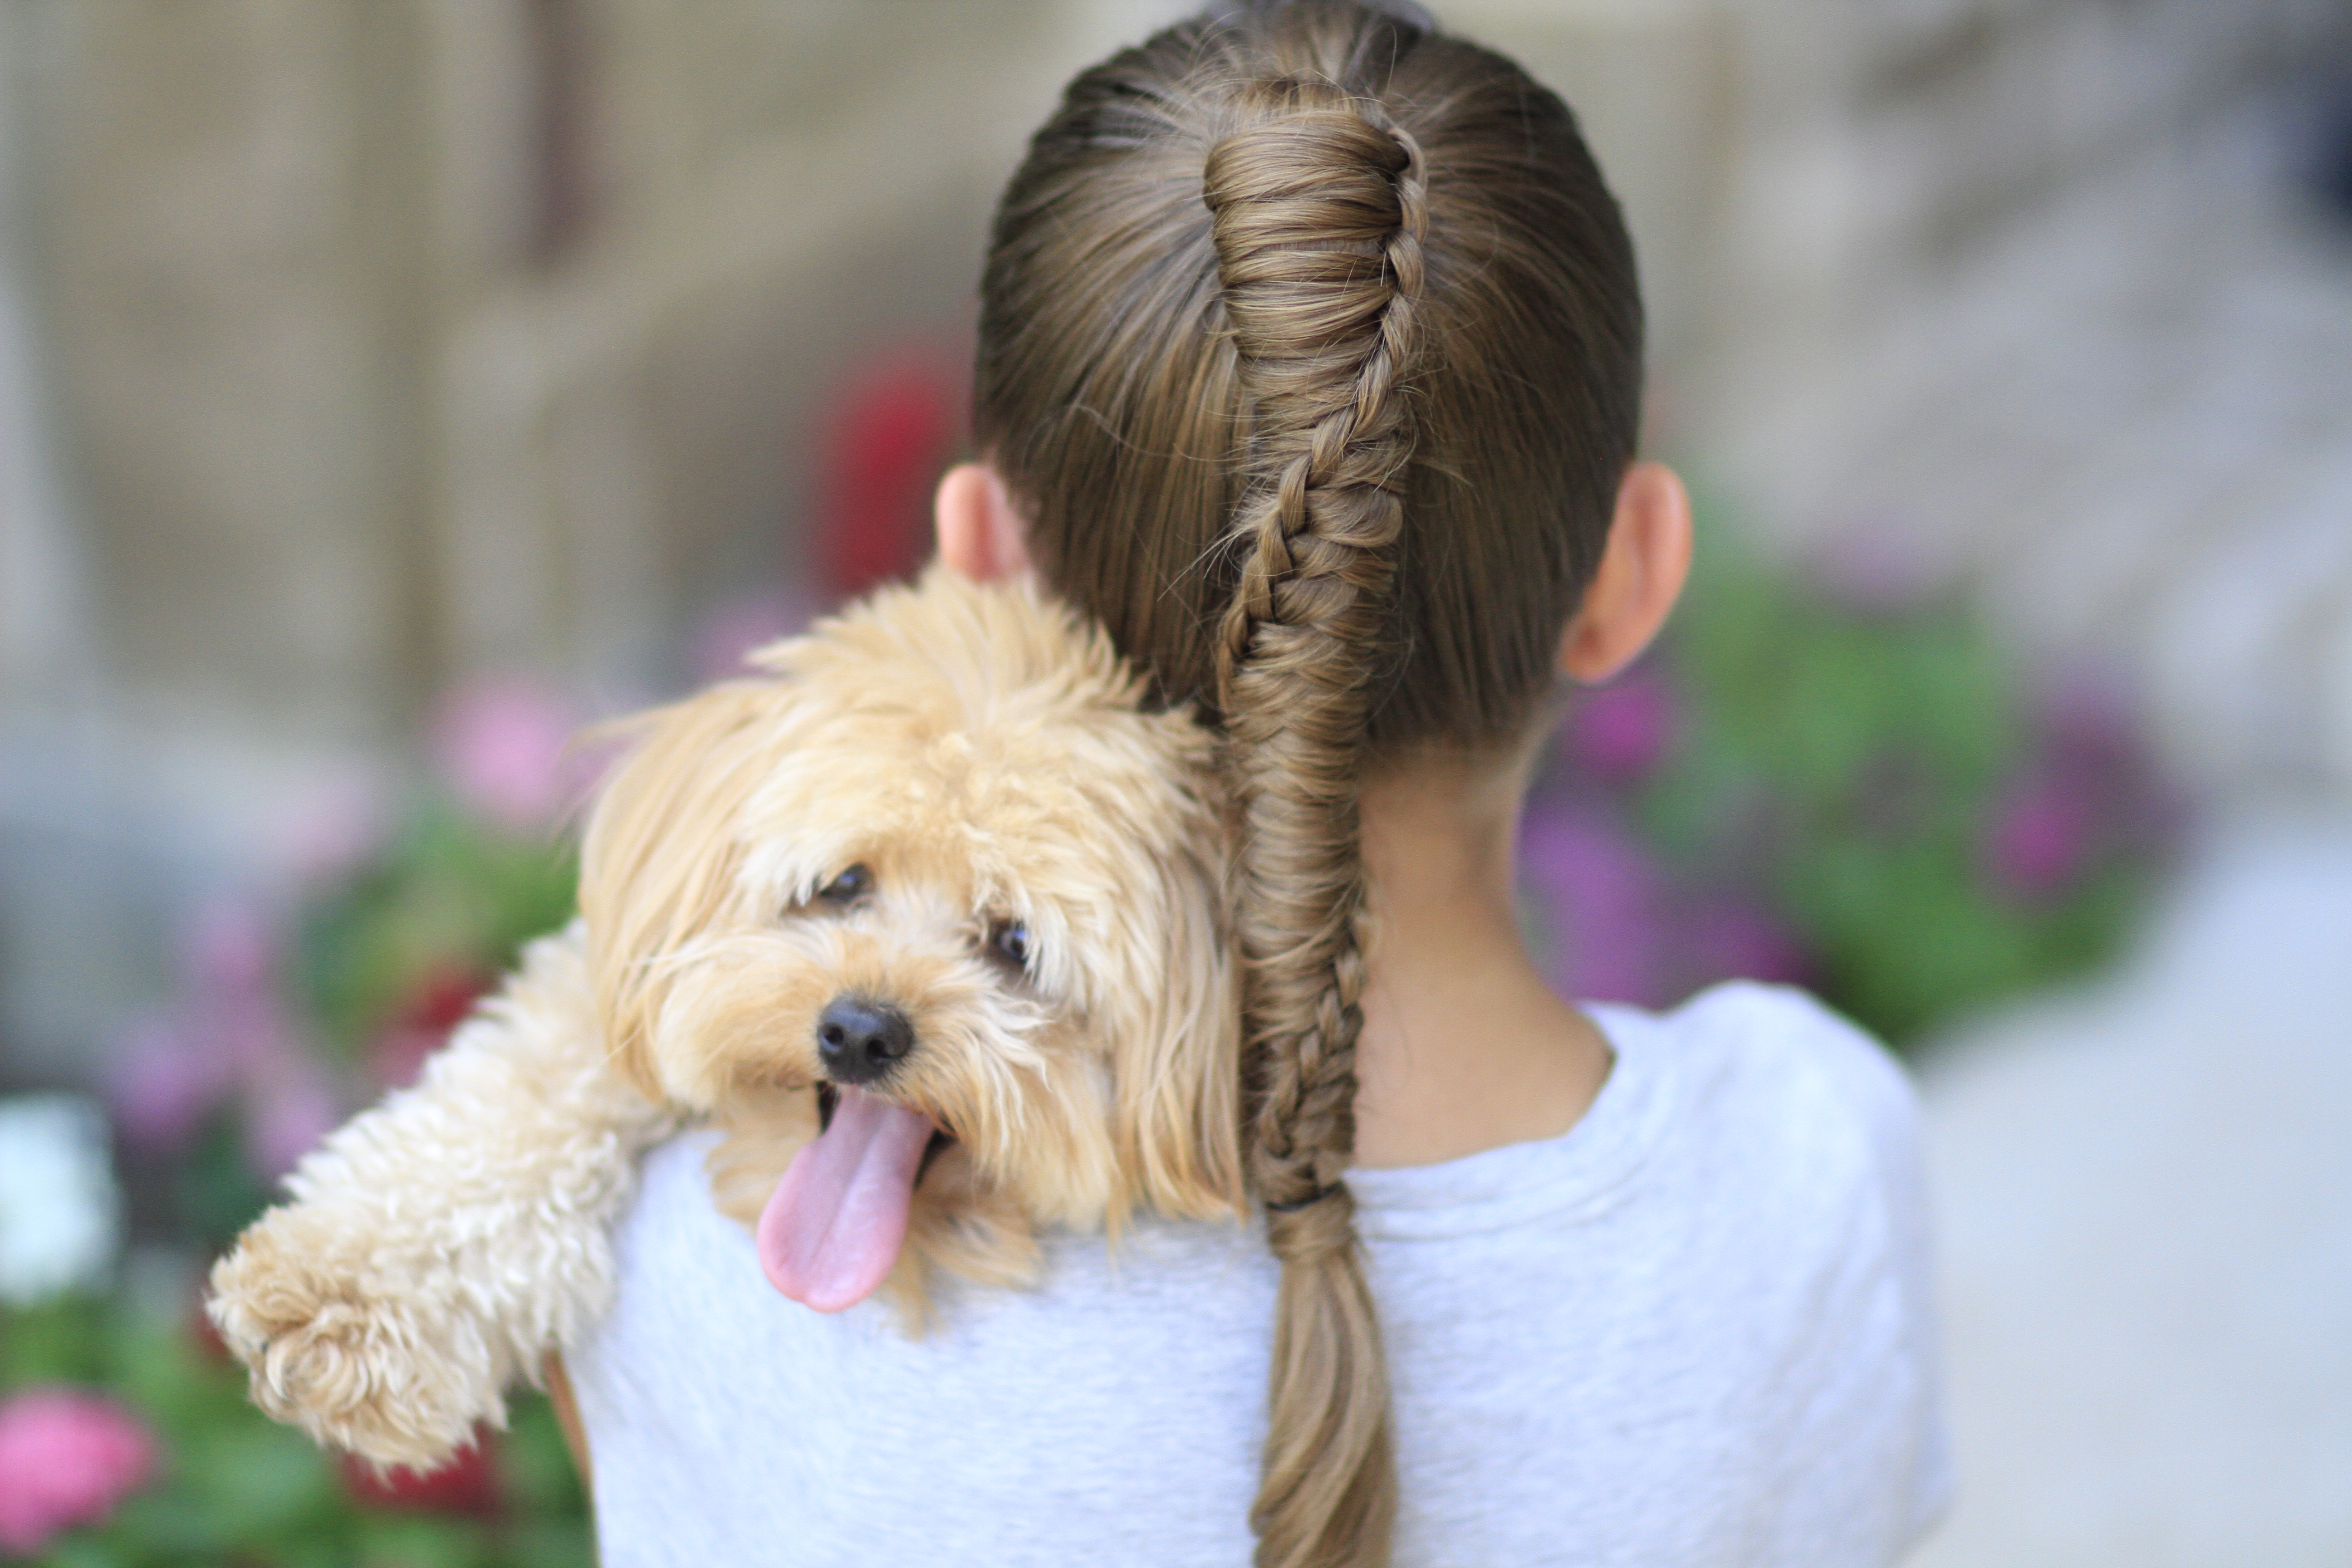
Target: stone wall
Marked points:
386	341
2020	297
363	345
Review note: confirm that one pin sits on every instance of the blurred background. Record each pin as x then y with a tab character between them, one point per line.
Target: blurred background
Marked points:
388	391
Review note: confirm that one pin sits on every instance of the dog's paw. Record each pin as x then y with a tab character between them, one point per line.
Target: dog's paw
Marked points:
397	1378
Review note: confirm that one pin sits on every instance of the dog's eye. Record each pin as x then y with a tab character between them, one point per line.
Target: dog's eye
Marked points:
1009	940
848	888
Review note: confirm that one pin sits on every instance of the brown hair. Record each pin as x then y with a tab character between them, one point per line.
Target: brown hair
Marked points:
1310	349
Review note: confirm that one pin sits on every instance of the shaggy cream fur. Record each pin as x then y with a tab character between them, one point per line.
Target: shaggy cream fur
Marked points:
442	1243
985	761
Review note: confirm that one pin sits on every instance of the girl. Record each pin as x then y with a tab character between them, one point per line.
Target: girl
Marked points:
1310	363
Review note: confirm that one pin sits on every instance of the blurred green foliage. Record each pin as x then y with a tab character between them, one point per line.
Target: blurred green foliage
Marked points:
446	895
236	1487
1853	764
377	964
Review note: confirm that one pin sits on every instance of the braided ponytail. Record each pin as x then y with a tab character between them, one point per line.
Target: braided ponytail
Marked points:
1320	208
1259	280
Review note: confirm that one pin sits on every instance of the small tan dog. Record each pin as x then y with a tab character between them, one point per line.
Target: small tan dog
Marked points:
930	921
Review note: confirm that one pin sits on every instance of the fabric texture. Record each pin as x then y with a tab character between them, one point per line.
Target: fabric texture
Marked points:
1693	1330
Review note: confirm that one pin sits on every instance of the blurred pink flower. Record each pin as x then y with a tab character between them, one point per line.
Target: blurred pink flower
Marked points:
223	1033
227	1039
229	947
2040	836
503	745
162	1082
67	1458
1621	731
1604	902
286	1117
287	1101
336	825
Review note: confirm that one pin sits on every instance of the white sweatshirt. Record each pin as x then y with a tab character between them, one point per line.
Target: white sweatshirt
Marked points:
1694	1329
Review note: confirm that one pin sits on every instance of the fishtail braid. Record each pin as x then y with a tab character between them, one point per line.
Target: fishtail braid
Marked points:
1209	413
1319	207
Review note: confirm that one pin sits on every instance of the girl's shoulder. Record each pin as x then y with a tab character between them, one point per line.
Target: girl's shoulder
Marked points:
1726	1255
1788	1140
1774	1056
1746	1099
1773	1105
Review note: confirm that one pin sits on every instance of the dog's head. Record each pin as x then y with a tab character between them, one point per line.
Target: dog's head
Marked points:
943	870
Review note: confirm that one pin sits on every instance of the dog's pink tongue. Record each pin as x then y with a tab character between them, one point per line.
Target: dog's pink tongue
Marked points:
831	1228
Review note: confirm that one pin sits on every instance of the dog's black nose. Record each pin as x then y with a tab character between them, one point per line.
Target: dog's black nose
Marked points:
859	1039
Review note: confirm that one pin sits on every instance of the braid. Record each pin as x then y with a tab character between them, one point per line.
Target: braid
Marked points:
1319	207
1210	368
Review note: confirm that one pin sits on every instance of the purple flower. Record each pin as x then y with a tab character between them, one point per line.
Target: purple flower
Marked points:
503	743
169	1071
288	1101
2040	836
67	1458
2086	718
228	1038
1728	939
1621	731
1603	903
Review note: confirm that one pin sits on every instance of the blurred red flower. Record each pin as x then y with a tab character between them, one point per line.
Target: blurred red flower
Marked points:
438	1006
894	427
467	1485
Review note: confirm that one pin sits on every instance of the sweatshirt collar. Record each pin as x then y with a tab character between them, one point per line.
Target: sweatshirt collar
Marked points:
1568	1178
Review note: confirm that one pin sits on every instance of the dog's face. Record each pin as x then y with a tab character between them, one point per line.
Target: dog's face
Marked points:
940	863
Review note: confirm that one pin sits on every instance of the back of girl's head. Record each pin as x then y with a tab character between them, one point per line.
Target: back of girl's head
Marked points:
1110	399
1310	351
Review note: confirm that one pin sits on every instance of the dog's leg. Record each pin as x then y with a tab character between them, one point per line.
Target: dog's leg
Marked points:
443	1243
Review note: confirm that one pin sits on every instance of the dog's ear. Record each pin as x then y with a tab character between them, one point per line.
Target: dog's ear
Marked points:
659	862
1179	1057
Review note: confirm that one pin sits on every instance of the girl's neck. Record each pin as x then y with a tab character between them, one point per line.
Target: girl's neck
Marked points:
1464	1046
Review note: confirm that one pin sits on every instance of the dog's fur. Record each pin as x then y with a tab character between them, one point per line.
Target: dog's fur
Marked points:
987	758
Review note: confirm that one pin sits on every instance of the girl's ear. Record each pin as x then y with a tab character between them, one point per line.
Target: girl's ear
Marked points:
980	532
1639	579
